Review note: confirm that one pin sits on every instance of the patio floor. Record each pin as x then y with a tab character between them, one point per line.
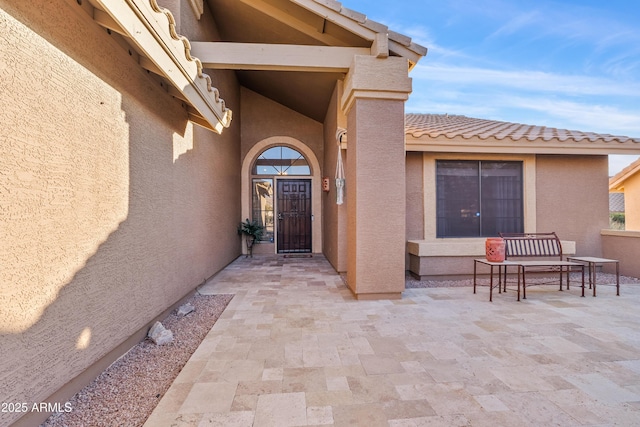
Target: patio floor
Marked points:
294	348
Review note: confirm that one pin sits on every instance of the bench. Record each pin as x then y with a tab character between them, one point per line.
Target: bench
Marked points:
537	252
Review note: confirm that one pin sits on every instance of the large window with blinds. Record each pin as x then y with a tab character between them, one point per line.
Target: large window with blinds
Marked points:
478	198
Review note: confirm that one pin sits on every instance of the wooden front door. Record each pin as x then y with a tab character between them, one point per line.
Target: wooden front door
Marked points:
294	215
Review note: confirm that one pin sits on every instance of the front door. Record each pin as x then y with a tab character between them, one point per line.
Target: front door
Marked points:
294	215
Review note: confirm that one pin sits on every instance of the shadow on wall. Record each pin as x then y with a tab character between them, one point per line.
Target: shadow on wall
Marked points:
117	206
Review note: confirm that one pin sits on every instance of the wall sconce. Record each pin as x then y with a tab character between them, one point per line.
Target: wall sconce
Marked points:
325	184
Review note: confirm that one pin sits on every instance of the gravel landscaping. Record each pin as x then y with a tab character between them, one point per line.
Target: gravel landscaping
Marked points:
126	393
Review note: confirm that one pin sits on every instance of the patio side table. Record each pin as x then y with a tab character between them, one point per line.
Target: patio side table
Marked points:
592	263
502	271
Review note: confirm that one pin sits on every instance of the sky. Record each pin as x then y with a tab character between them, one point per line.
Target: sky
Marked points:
571	64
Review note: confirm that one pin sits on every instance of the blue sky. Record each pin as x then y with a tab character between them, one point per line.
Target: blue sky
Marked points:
565	64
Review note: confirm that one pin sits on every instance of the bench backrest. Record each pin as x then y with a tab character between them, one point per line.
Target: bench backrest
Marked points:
541	245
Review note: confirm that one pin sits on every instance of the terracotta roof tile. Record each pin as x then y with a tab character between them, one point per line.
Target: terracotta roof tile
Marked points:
454	126
616	202
378	27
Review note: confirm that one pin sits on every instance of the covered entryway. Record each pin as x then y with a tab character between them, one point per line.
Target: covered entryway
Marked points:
281	190
294	215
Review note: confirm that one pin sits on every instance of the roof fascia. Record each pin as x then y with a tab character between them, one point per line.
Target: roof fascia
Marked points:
529	147
360	25
152	29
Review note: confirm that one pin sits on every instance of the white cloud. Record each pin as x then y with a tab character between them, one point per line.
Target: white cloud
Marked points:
533	81
583	116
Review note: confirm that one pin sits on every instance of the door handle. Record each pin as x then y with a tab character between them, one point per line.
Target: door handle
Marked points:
280	216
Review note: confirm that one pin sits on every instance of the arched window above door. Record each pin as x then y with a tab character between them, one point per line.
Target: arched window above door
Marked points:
281	160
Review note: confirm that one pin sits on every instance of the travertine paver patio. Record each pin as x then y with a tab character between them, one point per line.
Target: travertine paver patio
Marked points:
294	348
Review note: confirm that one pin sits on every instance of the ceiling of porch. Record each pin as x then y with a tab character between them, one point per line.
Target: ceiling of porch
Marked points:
293	23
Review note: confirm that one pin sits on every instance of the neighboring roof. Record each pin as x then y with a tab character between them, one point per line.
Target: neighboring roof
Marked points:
616	182
616	202
444	132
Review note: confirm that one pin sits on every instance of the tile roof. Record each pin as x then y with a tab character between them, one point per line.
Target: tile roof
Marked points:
365	22
616	202
454	126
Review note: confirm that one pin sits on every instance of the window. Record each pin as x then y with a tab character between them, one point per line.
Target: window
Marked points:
262	202
478	198
281	161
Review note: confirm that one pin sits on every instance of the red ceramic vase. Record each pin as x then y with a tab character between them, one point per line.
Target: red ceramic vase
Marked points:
495	247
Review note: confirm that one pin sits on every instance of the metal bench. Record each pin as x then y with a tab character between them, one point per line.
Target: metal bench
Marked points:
540	253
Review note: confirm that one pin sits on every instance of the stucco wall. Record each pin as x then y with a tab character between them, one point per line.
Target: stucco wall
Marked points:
376	198
632	203
624	246
263	118
114	206
415	198
334	216
573	199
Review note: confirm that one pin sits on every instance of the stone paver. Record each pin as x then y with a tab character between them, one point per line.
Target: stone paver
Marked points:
294	348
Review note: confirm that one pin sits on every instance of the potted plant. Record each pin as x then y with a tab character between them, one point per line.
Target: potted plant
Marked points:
252	232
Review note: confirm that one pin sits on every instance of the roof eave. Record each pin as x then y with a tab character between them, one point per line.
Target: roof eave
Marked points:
151	29
493	145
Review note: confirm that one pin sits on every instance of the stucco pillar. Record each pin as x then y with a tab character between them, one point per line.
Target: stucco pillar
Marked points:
373	100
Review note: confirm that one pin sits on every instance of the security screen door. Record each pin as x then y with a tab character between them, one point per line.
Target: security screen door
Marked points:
294	215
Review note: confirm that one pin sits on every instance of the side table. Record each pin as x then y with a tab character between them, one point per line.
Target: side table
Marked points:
502	272
592	263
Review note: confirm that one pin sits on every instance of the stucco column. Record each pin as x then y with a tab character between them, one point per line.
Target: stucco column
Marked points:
373	100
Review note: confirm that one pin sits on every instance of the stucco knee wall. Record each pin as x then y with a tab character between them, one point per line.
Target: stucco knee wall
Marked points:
625	247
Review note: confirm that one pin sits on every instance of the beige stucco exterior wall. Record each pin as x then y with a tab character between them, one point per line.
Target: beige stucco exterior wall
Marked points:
632	203
573	199
415	198
334	216
263	118
114	206
624	246
565	194
375	174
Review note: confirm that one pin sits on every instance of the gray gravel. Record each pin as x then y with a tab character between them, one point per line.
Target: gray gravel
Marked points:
126	393
603	279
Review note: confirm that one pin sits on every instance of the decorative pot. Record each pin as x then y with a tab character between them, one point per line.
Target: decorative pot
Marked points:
495	249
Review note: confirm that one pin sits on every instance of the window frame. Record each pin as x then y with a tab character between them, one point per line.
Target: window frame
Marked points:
475	179
465	244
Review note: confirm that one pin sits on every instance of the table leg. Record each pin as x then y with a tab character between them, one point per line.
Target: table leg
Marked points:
583	281
595	279
561	270
475	263
491	283
617	278
518	283
505	279
524	283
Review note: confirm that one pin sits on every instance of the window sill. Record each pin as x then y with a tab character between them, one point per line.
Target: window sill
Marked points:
463	247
